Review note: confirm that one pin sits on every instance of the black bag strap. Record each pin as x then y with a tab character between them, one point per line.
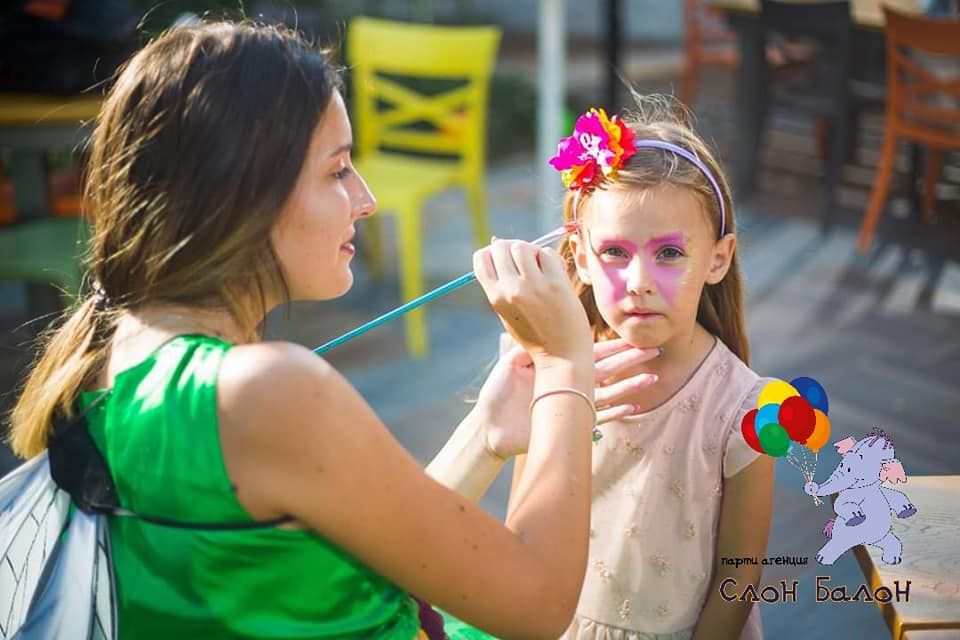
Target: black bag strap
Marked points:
79	468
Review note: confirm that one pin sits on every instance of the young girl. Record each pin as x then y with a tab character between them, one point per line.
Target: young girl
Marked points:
221	186
675	486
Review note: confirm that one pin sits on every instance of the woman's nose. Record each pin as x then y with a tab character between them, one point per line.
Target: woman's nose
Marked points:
364	204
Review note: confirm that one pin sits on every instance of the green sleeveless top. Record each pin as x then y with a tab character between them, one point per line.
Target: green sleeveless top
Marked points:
158	432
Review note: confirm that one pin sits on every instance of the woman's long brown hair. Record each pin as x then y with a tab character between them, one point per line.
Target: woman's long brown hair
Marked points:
196	149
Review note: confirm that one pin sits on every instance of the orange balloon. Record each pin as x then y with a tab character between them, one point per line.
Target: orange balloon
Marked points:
821	432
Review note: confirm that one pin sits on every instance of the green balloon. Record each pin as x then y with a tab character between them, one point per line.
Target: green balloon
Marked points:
774	439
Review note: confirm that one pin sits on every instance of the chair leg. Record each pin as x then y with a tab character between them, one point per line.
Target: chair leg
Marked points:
373	239
689	81
853	135
934	169
878	196
916	159
821	133
478	214
411	277
835	162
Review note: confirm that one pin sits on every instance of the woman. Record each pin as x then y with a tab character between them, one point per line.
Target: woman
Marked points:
220	186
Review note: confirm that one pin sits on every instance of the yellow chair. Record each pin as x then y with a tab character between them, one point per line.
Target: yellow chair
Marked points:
389	117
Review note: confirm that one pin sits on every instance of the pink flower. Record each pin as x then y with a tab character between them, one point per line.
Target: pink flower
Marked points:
598	142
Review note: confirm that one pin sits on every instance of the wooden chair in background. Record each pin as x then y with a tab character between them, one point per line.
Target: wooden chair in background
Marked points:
923	105
707	43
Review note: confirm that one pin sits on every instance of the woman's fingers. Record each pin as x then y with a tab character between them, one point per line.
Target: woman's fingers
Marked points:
613	394
606	348
536	304
525	258
620	362
615	413
483	267
551	264
503	259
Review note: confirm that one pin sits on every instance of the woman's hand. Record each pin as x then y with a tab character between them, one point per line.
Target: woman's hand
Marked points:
529	289
504	400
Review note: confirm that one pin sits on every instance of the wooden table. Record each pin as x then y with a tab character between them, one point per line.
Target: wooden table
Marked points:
931	634
744	17
931	562
866	13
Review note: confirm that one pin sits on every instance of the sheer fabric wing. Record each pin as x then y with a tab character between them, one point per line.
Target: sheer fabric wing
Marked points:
33	513
52	586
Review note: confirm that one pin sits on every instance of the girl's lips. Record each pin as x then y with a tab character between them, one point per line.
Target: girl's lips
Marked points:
644	316
348	248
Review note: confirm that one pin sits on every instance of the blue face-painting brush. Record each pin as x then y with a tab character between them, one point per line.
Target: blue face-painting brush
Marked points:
442	290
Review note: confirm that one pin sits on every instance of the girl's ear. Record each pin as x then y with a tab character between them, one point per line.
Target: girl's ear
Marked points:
579	257
721	257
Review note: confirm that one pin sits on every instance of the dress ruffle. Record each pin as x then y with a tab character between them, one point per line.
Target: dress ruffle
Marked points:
587	629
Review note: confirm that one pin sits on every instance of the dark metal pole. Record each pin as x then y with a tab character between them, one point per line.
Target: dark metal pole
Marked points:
614	38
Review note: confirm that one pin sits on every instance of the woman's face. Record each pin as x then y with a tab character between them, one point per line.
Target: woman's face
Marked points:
647	255
314	233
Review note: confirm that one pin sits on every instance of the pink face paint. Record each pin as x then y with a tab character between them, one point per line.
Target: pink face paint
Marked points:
618	258
616	271
666	274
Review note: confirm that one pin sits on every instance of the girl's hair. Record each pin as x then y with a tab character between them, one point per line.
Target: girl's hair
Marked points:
663	118
196	149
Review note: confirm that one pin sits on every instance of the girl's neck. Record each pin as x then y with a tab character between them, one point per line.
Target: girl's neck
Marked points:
681	358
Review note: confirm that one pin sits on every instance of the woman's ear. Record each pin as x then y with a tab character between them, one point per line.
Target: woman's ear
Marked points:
579	257
721	258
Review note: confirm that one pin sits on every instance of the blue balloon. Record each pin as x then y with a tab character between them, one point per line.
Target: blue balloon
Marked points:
767	414
813	392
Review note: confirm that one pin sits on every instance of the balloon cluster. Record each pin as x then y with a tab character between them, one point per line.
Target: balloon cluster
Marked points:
787	414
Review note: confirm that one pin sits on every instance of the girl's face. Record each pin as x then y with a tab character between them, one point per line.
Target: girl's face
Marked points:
313	234
647	255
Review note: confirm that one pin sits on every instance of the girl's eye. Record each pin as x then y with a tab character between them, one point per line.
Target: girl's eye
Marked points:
670	253
343	173
614	252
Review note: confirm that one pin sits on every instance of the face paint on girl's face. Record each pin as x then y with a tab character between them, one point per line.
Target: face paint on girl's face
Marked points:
661	265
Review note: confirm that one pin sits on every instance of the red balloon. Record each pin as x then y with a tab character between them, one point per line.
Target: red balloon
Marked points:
797	417
749	431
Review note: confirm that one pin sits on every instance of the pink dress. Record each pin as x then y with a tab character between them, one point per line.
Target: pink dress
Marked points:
657	486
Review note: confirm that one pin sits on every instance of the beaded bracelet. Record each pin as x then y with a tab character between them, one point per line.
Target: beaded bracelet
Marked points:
593	409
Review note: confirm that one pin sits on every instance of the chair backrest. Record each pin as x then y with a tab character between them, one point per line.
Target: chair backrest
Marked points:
923	71
389	112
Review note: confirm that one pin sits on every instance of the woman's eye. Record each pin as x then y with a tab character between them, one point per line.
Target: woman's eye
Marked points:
343	173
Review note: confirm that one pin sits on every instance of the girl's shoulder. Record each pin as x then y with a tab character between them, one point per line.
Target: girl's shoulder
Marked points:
727	379
737	390
743	383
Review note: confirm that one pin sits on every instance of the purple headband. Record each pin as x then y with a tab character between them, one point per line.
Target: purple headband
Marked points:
689	157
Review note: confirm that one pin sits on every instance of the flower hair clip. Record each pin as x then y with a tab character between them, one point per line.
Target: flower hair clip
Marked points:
597	149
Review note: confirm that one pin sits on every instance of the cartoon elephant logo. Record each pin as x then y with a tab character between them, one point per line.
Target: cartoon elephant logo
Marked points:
863	504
